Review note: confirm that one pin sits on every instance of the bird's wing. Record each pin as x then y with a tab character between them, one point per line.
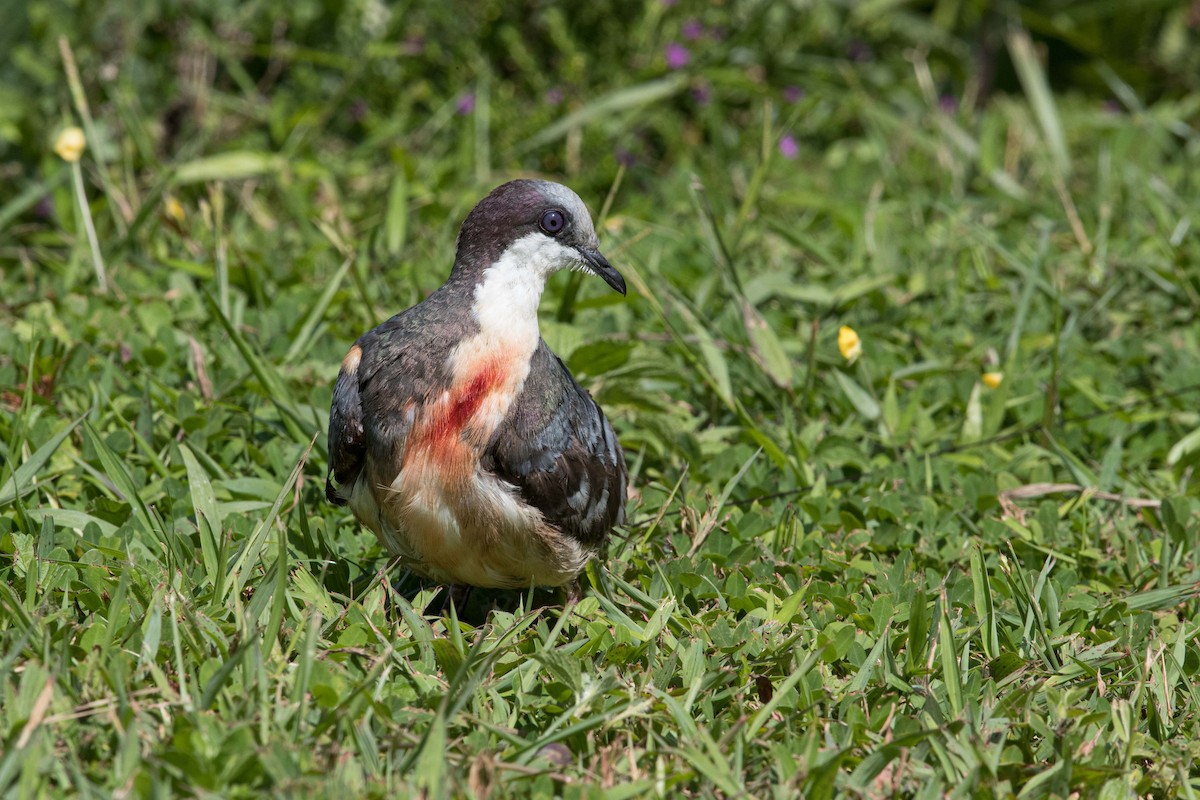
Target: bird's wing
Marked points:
561	453
347	438
391	370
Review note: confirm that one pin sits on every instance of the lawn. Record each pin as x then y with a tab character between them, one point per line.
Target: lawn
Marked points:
958	557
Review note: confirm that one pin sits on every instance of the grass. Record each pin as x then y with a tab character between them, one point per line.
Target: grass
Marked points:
870	579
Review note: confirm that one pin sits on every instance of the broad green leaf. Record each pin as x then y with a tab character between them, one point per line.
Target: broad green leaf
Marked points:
1180	450
774	361
71	518
859	398
234	165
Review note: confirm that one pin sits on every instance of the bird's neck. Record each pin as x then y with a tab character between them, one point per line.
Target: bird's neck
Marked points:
490	365
506	297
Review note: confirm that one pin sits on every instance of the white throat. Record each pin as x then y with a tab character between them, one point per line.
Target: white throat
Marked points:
506	299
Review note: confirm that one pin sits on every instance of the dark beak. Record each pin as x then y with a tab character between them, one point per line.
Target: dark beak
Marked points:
600	266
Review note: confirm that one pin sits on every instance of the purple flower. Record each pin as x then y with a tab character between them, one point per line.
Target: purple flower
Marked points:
948	103
788	147
358	110
702	94
554	96
693	29
625	158
1112	106
859	51
44	209
677	55
466	103
413	46
793	94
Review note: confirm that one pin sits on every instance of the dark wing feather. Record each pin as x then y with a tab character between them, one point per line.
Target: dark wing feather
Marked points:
401	364
561	453
347	444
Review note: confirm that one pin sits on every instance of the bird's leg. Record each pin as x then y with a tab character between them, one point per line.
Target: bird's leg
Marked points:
456	594
574	592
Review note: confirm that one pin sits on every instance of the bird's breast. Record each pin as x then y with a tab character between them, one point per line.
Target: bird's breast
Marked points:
441	426
450	431
448	518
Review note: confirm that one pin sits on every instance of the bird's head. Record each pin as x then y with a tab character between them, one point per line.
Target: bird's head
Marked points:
532	225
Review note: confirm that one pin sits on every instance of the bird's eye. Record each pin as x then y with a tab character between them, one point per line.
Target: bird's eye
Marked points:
553	222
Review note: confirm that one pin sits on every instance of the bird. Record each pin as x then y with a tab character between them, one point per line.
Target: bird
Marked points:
458	437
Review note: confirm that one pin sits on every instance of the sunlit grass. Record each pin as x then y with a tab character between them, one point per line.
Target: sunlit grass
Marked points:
909	405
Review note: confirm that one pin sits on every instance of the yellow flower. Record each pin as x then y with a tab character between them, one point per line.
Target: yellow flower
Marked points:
70	144
849	343
992	379
174	209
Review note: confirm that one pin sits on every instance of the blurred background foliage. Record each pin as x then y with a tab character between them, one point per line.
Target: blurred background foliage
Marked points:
341	104
365	70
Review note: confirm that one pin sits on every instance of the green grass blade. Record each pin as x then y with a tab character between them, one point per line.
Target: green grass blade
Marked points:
243	565
951	676
984	605
605	106
1041	99
20	482
303	338
209	520
115	471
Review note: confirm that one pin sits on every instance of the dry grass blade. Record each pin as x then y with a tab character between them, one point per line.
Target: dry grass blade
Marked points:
1034	490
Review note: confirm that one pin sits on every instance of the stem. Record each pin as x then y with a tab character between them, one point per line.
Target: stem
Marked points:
806	404
79	98
86	212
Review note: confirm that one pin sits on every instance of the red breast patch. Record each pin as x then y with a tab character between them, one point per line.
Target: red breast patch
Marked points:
439	430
